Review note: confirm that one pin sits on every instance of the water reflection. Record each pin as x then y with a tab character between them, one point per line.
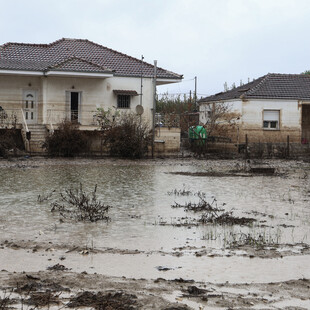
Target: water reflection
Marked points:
138	194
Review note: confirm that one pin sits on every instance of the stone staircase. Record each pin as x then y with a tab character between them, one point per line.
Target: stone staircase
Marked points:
38	134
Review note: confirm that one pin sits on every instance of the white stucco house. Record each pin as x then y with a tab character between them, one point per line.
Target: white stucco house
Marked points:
271	108
43	84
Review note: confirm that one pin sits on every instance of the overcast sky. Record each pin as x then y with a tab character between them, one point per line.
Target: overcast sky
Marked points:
216	40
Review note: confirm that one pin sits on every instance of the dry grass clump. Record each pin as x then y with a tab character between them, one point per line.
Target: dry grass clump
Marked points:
75	203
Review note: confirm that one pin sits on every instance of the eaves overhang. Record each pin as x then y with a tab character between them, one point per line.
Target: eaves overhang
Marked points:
21	72
163	81
78	74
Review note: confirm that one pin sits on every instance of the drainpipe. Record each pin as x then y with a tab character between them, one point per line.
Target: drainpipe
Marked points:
154	107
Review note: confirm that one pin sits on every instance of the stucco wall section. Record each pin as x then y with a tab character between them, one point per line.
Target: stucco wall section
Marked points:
12	89
95	93
168	139
251	122
289	122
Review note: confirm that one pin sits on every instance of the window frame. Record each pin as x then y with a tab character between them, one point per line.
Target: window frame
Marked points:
123	101
270	121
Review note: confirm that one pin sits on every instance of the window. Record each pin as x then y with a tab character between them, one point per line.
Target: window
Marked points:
271	119
123	101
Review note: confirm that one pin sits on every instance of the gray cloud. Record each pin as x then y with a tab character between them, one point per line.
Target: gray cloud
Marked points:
216	40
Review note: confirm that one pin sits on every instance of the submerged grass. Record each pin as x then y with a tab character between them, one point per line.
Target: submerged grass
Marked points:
211	213
252	239
75	203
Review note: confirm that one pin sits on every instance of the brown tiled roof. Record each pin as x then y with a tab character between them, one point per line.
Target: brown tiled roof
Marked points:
81	55
125	92
270	86
77	64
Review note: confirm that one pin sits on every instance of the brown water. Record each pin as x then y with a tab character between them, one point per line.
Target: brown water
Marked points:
138	192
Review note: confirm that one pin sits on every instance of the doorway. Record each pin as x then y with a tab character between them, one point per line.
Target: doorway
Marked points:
30	106
75	99
305	123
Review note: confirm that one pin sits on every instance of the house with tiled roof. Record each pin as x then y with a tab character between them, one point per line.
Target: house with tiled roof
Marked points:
43	84
272	108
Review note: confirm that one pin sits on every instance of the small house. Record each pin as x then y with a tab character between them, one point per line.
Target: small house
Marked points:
274	108
43	84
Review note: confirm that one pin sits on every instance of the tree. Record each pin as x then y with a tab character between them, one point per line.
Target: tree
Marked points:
219	119
306	72
175	104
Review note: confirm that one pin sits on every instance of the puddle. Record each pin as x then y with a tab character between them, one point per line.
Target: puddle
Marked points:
201	269
138	192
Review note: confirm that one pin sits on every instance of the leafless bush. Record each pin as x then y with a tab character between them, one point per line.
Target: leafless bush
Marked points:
78	205
124	135
67	141
10	139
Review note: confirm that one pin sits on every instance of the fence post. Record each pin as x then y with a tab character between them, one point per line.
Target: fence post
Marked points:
246	146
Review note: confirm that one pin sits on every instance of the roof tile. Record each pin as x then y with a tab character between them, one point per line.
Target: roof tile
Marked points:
270	86
22	56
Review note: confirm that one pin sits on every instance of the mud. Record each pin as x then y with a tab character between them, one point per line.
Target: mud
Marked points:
79	290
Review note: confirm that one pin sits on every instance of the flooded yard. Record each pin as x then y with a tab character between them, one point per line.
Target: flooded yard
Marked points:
152	233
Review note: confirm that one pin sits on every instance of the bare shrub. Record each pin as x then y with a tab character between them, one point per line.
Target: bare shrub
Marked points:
10	139
219	119
125	135
78	205
67	141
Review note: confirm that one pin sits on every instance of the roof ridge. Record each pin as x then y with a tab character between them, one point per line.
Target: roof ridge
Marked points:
263	78
126	55
41	44
78	58
24	44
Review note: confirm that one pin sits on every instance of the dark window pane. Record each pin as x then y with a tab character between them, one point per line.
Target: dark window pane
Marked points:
273	124
123	101
266	124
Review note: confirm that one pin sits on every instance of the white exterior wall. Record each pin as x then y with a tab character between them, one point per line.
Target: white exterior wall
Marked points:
251	122
290	113
95	93
12	88
235	106
11	93
289	120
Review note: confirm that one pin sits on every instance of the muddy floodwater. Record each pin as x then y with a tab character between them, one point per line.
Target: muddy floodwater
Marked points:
148	236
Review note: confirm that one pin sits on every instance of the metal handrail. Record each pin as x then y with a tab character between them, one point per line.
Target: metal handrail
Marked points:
57	116
24	120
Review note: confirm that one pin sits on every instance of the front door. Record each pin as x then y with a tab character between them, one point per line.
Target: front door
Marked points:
30	106
305	123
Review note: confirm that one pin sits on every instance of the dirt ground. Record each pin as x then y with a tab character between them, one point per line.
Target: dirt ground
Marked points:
60	286
56	289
